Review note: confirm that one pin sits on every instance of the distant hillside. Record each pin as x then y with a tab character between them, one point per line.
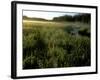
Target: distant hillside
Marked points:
79	17
33	18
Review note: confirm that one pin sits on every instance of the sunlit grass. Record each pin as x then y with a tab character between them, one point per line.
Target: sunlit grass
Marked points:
48	44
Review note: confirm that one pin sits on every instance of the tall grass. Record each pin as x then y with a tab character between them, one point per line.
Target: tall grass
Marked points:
51	47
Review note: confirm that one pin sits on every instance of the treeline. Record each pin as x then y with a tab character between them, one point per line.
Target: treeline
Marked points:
33	18
79	17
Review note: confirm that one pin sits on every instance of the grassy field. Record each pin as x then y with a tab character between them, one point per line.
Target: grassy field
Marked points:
49	44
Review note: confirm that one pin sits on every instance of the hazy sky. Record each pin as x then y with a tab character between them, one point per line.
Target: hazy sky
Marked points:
45	15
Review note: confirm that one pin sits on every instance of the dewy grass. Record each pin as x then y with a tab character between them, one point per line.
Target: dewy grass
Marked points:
52	45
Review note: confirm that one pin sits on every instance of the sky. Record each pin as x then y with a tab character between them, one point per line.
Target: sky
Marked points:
46	15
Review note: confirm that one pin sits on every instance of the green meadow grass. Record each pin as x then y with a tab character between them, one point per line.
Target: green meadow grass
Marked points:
48	44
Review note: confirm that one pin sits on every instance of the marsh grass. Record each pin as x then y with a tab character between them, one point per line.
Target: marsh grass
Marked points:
52	44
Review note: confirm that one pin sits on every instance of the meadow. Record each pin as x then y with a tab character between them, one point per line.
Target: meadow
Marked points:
51	44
